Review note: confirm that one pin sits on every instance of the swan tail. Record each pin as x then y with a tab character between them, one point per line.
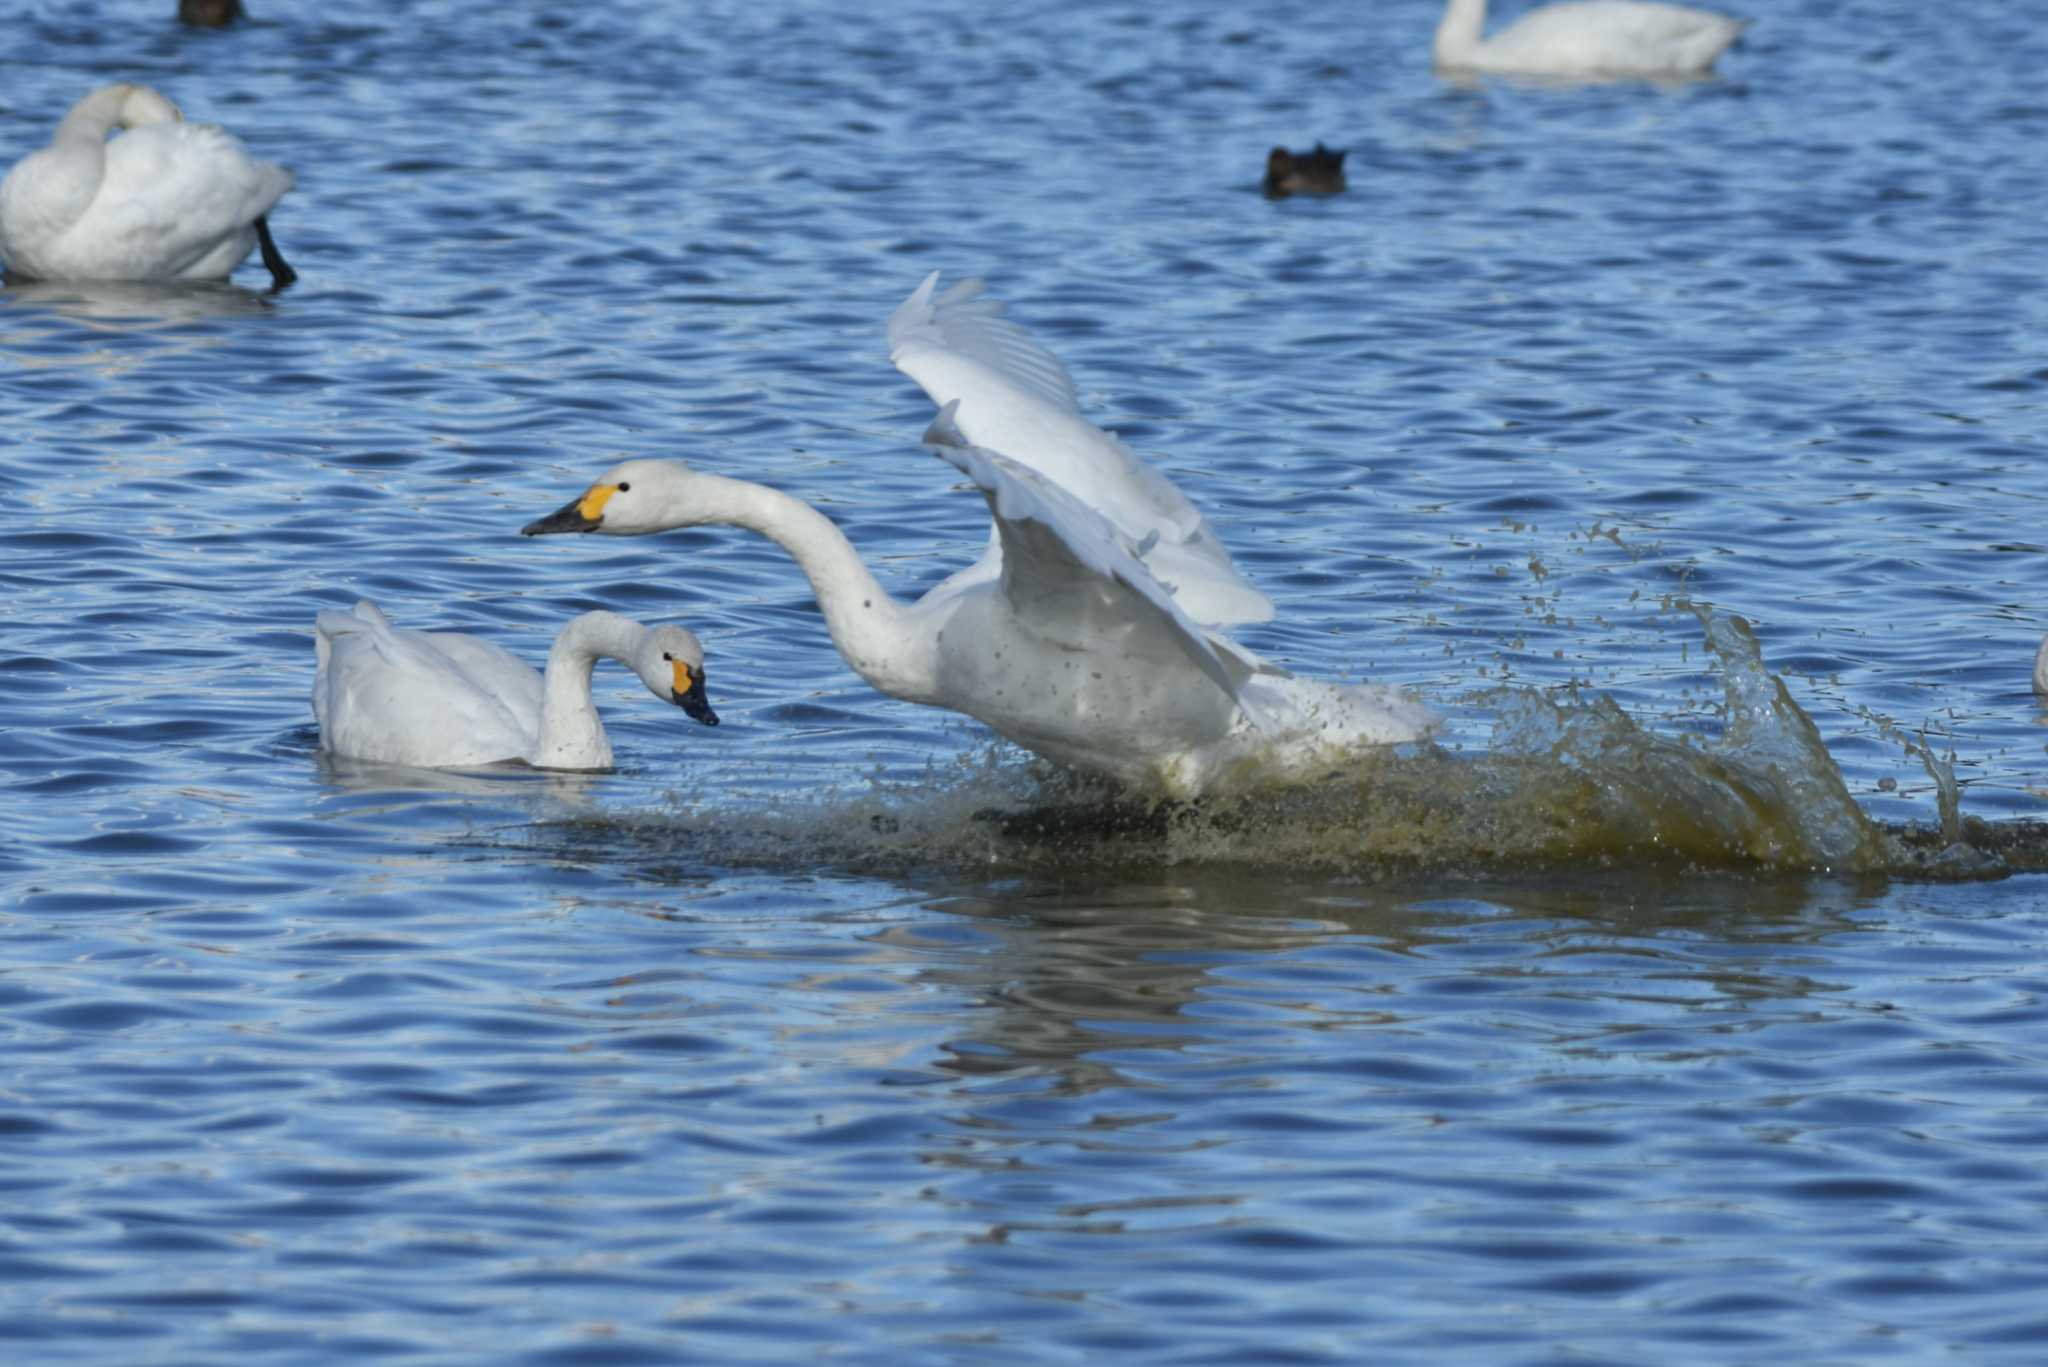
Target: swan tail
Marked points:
329	626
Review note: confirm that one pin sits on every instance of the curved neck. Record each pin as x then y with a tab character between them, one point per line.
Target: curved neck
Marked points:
870	628
571	735
1458	32
94	116
112	106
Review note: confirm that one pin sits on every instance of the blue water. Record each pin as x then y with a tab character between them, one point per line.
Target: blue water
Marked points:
792	1039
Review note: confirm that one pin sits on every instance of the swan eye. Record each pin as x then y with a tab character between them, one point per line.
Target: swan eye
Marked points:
625	488
666	656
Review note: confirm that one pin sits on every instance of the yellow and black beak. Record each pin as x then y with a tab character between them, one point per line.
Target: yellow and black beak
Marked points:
688	692
585	514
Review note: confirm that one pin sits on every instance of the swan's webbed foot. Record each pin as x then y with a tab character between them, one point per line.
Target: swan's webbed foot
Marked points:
281	272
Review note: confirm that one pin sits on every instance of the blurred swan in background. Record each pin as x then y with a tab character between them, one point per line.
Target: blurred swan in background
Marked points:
1073	635
165	200
443	699
2041	670
1586	38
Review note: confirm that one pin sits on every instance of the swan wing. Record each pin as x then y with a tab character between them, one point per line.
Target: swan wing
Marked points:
398	697
1016	398
1065	569
490	669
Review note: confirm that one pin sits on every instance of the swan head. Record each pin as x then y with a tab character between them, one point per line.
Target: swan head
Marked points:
630	499
671	664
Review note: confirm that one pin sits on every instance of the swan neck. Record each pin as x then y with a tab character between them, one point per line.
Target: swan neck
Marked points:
869	627
1457	35
94	116
571	736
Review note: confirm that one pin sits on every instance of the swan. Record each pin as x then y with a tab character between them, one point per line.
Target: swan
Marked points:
1586	38
1015	397
1320	172
1074	649
167	200
2041	670
438	699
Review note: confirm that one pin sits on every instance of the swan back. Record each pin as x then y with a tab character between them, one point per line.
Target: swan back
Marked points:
1587	38
404	697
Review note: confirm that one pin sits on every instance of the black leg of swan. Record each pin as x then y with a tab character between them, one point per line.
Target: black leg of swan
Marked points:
281	273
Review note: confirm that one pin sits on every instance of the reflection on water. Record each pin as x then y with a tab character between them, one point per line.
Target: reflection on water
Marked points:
509	781
128	304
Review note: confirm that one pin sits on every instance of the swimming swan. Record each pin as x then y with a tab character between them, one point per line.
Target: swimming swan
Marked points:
167	200
1586	38
439	699
1073	650
1015	397
2041	670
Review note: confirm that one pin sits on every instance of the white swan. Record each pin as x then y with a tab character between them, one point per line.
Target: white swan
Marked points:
438	699
166	200
1016	398
1074	650
2041	670
1586	38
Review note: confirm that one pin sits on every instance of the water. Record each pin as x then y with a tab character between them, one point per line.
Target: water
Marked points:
1686	1005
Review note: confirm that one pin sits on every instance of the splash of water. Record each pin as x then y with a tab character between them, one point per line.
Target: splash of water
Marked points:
1567	782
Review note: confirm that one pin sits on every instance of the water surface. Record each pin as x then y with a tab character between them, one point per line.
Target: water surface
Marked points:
840	1031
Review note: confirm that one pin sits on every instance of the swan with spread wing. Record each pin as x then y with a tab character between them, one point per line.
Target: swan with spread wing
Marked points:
1086	632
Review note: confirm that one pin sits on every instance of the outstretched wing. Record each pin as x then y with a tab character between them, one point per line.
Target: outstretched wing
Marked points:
1016	399
1064	563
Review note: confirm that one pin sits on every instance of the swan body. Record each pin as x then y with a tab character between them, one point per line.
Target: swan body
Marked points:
2041	670
445	700
1587	38
1015	397
166	200
1073	649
